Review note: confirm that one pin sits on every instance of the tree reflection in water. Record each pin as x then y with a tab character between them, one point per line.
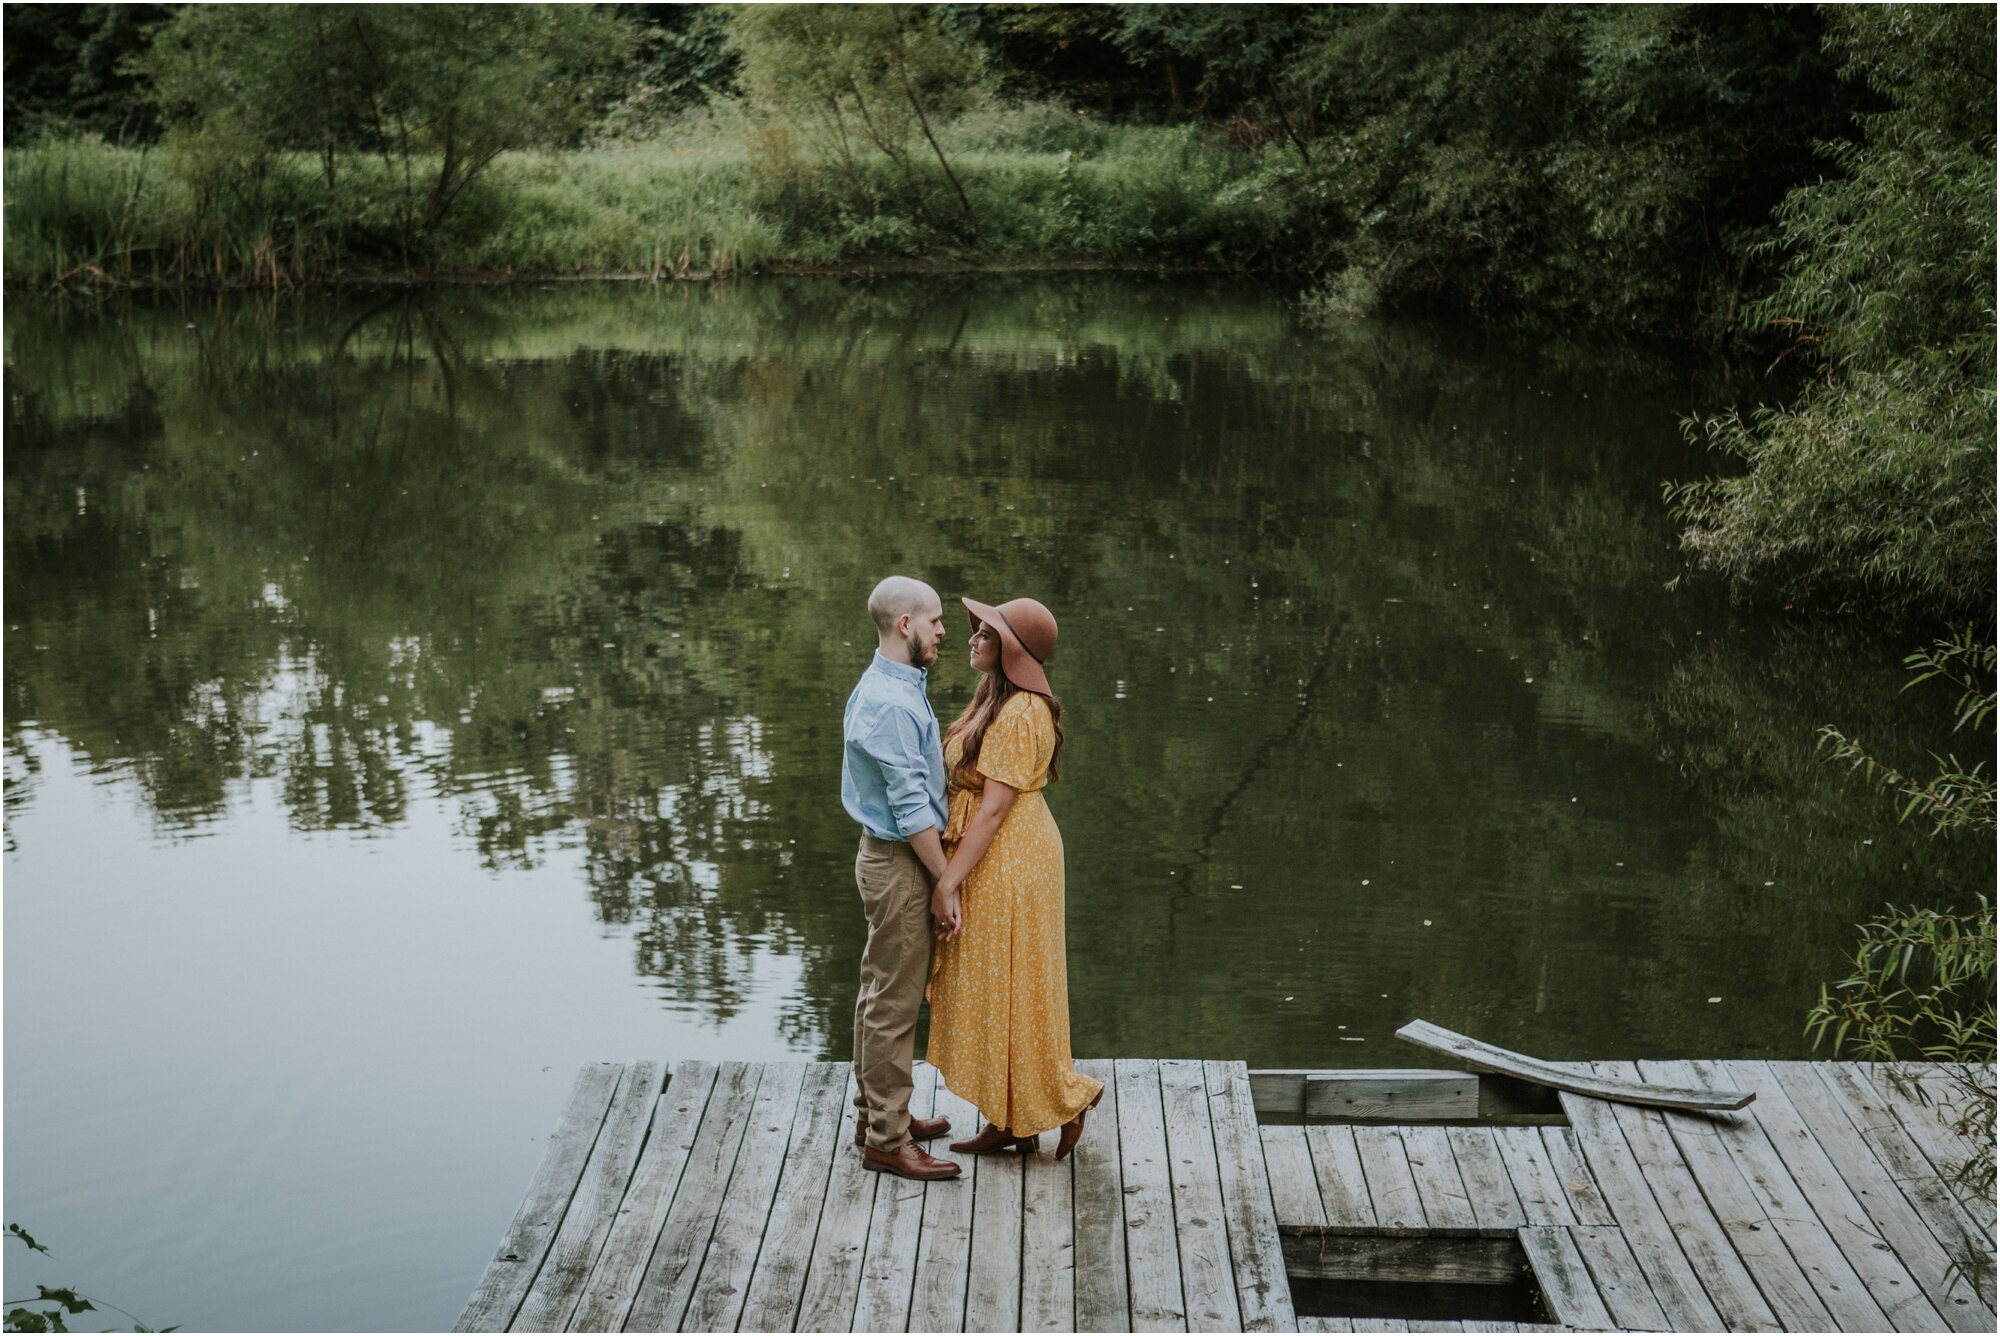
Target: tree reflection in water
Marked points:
1361	628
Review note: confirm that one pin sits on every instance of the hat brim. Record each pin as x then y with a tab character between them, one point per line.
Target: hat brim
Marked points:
1015	661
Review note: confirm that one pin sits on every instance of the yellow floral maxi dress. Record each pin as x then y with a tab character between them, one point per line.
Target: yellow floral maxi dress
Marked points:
999	992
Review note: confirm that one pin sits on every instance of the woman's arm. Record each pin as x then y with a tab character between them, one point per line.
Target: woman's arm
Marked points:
994	803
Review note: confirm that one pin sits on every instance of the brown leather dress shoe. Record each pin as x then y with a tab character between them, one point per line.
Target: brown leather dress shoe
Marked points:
921	1129
992	1139
908	1161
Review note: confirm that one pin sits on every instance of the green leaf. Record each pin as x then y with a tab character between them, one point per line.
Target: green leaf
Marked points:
69	1299
17	1232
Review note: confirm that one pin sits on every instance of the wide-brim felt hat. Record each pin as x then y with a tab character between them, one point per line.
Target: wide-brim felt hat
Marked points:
1027	632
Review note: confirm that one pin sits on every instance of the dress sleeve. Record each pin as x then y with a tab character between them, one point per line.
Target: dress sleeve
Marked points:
1012	751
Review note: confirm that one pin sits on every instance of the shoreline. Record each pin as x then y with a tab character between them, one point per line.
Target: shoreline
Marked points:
888	267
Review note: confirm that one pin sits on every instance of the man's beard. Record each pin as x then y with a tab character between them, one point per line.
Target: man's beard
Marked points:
916	648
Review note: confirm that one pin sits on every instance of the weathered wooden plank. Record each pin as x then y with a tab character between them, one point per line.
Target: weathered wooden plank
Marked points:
668	1286
1481	1324
1917	1117
1400	1096
1289	1167
993	1286
1894	1216
1564	1279
1380	1324
1343	1188
889	1262
1326	1324
1579	1185
833	1268
1564	1076
525	1245
1391	1187
1533	1176
1945	1149
1615	1167
1833	1279
1048	1244
1263	1294
1446	1205
724	1278
821	1127
1435	1324
1702	1239
1616	1274
1152	1251
1208	1281
1951	1224
621	1265
1753	1198
1487	1188
1937	1092
944	1246
587	1222
1889	1282
1103	1302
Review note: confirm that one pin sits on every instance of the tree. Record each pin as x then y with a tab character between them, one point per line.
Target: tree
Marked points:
1616	161
65	67
432	92
1878	478
885	73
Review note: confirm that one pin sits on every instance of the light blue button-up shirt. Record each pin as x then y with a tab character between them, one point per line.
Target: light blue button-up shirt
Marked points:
892	778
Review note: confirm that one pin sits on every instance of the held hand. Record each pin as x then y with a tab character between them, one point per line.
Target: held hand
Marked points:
947	910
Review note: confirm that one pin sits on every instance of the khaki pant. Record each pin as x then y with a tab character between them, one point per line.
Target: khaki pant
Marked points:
895	966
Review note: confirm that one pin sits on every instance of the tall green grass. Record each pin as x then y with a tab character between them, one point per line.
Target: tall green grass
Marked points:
1045	185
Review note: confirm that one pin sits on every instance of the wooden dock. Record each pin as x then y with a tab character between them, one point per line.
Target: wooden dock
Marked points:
729	1197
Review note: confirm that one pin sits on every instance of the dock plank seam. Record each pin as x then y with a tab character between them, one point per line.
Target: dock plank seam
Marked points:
1749	1198
628	1249
1884	1273
778	1281
1615	1166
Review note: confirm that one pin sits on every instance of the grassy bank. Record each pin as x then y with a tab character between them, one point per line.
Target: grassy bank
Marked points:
81	212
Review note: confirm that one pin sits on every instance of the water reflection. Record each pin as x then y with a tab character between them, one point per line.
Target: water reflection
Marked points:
1380	704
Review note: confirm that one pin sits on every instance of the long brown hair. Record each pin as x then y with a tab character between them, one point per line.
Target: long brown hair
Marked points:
988	699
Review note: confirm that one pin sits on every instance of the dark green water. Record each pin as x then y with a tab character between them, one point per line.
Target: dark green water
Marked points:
410	699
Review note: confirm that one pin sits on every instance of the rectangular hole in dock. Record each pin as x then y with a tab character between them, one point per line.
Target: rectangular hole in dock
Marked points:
1478	1277
1365	1096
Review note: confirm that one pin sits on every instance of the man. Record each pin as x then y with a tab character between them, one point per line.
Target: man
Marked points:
892	782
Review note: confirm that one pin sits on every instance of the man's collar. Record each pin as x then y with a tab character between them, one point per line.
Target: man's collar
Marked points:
908	672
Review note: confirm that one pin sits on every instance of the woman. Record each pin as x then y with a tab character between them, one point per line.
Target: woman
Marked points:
999	989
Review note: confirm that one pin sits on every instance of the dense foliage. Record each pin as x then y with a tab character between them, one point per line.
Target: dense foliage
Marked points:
434	93
1878	480
1620	162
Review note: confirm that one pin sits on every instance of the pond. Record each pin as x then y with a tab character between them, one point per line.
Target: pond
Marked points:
412	697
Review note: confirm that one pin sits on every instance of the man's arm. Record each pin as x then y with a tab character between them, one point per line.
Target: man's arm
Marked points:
896	745
930	849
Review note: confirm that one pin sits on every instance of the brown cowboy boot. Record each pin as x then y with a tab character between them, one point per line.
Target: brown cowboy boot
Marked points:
921	1129
908	1160
992	1138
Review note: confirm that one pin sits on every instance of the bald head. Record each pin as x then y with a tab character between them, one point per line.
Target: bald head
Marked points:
899	596
909	620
